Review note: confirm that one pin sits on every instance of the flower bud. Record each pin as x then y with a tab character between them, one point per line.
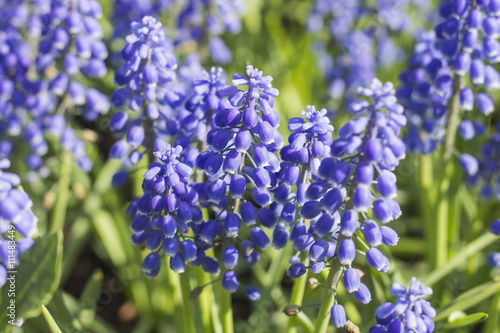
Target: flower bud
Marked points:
338	315
230	281
347	251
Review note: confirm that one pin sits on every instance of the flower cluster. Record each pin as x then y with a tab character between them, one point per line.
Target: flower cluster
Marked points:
165	213
483	169
194	117
197	21
241	158
338	201
200	21
367	46
463	43
35	103
494	257
309	141
149	66
16	217
409	313
241	143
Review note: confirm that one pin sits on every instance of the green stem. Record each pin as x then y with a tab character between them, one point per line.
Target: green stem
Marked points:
459	258
330	285
493	321
189	322
297	298
425	180
444	179
61	205
305	322
226	311
173	280
204	299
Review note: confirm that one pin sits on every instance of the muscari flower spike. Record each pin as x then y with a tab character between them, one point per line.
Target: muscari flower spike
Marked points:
149	65
165	213
16	217
465	43
494	257
366	48
241	159
356	178
482	169
409	313
70	40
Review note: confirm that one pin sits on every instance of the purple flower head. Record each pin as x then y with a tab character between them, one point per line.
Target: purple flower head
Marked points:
409	313
17	220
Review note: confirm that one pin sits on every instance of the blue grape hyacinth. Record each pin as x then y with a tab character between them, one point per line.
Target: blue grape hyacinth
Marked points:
149	65
16	219
463	44
241	160
165	212
356	178
366	46
482	169
196	22
409	313
494	257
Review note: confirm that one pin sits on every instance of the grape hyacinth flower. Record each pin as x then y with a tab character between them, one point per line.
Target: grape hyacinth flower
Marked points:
70	43
355	179
409	313
494	257
241	159
200	21
195	115
196	21
309	142
16	217
149	65
464	43
482	170
163	215
367	46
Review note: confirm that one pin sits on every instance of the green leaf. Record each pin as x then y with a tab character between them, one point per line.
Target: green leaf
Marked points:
36	279
468	320
89	298
459	259
469	299
107	230
62	313
50	321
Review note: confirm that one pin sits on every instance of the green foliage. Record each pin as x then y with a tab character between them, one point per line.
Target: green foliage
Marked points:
37	278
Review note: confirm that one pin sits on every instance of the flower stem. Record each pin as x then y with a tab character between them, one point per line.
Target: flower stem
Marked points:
330	285
60	207
189	322
446	171
493	321
297	298
205	299
226	311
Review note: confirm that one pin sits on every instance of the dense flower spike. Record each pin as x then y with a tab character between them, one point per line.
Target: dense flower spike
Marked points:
69	44
166	211
409	313
149	65
16	218
241	155
482	169
494	257
367	46
355	177
196	21
463	44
